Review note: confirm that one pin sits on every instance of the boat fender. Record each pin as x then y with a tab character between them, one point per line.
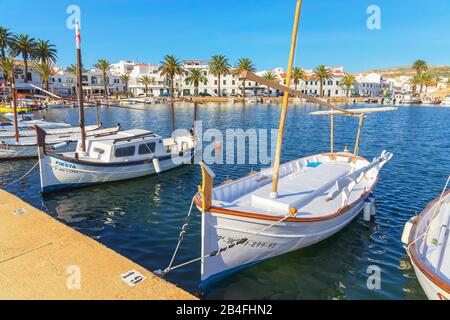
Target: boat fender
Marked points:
367	210
373	206
156	165
407	230
60	145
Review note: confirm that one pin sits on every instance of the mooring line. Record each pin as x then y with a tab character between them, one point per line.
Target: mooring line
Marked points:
22	177
160	272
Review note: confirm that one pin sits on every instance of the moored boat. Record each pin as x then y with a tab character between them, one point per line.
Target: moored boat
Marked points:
427	240
124	155
25	123
431	102
286	207
29	131
318	196
446	101
408	99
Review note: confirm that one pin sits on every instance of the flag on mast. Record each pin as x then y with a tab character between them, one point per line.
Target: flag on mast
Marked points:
77	34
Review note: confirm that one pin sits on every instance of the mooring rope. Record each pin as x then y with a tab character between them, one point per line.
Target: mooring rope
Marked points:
160	272
22	177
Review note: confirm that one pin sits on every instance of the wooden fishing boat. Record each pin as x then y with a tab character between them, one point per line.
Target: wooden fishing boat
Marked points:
124	155
29	130
319	195
25	125
431	102
289	206
27	148
427	237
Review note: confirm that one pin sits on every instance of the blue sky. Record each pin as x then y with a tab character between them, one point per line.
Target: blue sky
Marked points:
331	32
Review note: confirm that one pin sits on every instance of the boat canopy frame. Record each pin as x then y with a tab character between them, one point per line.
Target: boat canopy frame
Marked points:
335	110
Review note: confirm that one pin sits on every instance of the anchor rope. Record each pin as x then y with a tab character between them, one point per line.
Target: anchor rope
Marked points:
22	177
292	213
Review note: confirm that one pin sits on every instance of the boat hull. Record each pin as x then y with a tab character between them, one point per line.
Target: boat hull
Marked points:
221	230
16	152
61	173
426	237
432	291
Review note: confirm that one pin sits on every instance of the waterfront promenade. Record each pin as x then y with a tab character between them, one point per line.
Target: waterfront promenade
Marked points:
41	258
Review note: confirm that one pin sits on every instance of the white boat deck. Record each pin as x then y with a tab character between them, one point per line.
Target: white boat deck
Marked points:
306	189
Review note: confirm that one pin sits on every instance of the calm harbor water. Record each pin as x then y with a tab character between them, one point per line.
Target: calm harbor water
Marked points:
141	218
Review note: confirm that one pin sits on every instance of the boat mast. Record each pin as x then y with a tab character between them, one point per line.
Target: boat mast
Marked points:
14	103
80	87
358	135
276	169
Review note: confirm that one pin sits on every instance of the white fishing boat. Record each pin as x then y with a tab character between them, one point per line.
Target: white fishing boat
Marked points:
446	101
56	104
431	102
25	122
427	237
408	99
26	147
124	155
317	196
29	131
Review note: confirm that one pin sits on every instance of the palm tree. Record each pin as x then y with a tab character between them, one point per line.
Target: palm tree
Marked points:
125	78
45	70
6	40
243	64
146	81
219	66
420	66
8	66
271	77
414	82
424	80
103	66
297	75
322	73
25	46
171	67
347	83
195	77
45	52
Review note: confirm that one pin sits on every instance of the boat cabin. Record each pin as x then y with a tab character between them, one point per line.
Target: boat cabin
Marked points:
129	145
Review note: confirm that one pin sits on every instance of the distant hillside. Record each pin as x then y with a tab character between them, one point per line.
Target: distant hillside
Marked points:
441	71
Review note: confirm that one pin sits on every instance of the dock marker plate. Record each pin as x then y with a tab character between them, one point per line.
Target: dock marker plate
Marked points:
132	277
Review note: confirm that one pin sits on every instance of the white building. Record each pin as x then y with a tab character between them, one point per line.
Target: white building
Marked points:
57	84
371	85
63	83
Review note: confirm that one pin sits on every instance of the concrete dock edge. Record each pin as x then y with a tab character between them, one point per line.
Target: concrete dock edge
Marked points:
41	258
